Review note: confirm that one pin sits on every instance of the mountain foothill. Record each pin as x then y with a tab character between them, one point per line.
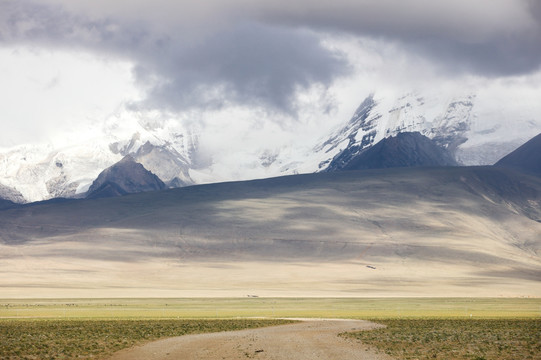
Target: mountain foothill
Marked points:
397	218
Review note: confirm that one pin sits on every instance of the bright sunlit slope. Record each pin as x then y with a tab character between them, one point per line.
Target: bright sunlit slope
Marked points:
393	232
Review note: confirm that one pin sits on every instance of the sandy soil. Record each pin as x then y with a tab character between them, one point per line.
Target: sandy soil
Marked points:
314	339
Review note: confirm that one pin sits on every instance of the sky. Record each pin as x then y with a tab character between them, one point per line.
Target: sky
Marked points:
252	65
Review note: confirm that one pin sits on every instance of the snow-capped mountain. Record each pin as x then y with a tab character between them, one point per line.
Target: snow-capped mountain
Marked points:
473	135
67	167
471	128
445	123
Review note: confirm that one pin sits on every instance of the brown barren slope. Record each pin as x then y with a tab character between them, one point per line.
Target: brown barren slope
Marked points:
397	232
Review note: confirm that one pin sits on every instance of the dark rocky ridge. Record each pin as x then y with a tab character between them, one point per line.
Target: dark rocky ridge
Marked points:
408	149
527	158
125	177
10	195
5	204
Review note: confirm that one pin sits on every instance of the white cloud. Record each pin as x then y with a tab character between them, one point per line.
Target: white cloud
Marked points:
47	92
233	65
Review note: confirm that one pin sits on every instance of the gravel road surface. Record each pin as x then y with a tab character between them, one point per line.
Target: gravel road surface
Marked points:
309	339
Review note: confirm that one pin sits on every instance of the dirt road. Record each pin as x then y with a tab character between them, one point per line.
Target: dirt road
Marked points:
310	339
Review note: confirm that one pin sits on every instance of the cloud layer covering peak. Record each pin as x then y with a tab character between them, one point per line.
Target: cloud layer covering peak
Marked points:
281	60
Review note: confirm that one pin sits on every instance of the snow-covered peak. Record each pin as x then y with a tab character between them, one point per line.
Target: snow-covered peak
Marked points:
66	165
445	120
472	128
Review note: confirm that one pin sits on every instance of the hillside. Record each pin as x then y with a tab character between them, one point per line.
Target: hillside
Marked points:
527	158
394	232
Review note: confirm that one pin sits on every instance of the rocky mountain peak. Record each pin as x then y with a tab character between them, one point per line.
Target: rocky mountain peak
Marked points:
125	177
406	149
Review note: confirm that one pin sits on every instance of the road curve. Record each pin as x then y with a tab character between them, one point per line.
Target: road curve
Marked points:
309	339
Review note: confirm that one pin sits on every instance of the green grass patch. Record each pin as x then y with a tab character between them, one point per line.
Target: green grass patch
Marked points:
457	339
206	308
435	328
91	339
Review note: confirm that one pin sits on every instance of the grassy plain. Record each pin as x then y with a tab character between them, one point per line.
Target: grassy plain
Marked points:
457	339
205	308
447	328
90	339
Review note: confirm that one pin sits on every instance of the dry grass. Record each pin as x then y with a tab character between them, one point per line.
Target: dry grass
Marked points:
91	339
466	339
205	308
437	328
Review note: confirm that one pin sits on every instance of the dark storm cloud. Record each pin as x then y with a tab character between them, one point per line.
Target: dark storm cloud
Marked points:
505	56
42	25
247	63
487	37
205	54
